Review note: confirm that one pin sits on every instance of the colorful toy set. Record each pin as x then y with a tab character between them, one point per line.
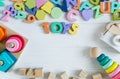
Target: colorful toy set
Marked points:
111	35
11	46
111	67
38	9
60	27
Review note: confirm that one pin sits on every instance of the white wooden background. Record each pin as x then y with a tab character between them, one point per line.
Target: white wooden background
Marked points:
57	52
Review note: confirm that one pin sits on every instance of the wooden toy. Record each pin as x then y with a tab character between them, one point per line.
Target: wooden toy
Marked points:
40	3
23	71
47	7
98	14
115	15
39	73
97	76
56	1
63	7
19	6
31	11
30	72
7	15
12	10
93	51
111	67
74	28
30	3
71	2
20	15
114	6
30	19
56	12
66	27
64	75
45	25
70	13
2	3
77	6
3	33
10	58
87	14
94	2
83	74
111	35
107	9
40	15
52	75
85	5
56	27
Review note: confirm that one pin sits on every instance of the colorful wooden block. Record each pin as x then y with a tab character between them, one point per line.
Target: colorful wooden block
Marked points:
70	13
12	10
56	27
40	3
45	26
73	29
31	11
115	15
94	2
40	15
114	6
47	7
87	14
56	1
30	3
105	10
39	73
78	5
66	27
56	12
71	2
85	5
7	15
19	6
20	15
52	75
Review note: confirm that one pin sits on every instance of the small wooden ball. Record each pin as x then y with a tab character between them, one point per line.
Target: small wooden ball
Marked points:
95	52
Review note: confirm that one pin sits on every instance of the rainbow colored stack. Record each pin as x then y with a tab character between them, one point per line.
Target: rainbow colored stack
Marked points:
111	67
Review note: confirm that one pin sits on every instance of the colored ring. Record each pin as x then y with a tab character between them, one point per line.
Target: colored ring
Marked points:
20	41
5	33
115	72
106	66
116	76
112	68
116	40
104	61
16	45
101	57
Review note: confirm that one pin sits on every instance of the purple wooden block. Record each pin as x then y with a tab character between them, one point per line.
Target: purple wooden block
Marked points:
87	14
12	10
71	2
39	3
66	27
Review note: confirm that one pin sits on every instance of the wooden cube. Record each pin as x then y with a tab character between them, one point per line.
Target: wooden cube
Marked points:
23	71
83	74
64	75
30	72
52	75
97	76
39	73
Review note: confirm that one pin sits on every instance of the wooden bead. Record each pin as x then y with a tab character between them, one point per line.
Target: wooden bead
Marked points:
83	74
52	75
97	76
95	52
39	73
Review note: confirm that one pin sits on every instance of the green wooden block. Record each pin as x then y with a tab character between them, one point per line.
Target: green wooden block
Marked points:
30	3
40	15
94	2
115	15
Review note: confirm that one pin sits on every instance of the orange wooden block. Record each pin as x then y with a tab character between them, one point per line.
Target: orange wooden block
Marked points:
105	9
78	5
30	19
45	25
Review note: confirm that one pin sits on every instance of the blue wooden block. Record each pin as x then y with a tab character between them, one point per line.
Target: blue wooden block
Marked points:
63	7
31	11
8	59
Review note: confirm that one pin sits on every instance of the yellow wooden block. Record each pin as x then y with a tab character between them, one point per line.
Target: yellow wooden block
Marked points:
40	15
47	7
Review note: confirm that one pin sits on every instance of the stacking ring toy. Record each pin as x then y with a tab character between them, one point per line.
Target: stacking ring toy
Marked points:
15	43
3	33
116	40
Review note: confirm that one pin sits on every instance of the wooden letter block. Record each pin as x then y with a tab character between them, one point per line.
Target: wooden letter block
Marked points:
52	75
23	71
97	76
83	74
30	72
39	73
64	75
